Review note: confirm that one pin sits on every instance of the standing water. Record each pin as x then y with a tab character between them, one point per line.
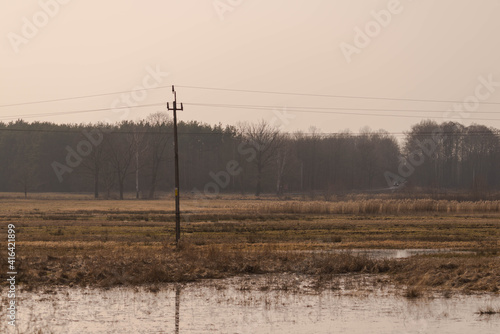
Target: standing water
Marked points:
246	305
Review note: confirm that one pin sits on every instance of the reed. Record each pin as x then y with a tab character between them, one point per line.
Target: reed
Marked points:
380	206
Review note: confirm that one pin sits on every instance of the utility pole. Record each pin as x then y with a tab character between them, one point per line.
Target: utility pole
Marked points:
176	152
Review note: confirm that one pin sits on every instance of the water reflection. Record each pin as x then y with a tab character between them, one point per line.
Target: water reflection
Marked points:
396	253
249	305
177	307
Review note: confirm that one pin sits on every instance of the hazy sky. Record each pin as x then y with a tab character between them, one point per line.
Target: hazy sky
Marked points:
427	49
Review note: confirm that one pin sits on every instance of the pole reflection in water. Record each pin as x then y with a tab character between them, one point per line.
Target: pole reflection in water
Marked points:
177	306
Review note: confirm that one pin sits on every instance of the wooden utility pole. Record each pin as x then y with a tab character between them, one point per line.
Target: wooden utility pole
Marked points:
176	153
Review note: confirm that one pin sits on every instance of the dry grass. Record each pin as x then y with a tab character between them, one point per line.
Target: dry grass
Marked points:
245	205
133	266
379	206
413	292
462	273
107	243
488	310
137	265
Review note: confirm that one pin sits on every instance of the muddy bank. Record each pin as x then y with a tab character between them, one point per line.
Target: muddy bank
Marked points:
134	266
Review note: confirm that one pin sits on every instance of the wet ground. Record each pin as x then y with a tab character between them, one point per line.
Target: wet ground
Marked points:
253	304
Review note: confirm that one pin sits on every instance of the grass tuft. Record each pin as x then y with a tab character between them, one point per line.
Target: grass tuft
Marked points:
413	292
488	310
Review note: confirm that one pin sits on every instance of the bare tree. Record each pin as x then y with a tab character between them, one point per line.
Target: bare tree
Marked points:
96	159
158	125
26	161
141	146
377	152
121	150
264	141
480	154
284	160
108	177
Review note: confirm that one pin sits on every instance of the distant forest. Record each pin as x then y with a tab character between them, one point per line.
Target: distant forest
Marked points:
137	157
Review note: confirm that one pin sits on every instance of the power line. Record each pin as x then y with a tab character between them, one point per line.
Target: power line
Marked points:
75	97
299	109
80	111
247	91
330	96
286	107
255	107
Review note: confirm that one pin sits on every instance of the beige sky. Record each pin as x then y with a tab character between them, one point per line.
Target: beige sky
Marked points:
430	49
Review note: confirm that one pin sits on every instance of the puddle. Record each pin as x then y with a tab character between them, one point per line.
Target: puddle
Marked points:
401	253
226	306
391	253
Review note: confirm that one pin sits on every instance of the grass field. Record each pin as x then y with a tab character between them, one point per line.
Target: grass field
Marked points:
75	240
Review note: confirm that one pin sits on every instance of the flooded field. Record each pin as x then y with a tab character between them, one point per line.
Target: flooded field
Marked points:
250	305
114	267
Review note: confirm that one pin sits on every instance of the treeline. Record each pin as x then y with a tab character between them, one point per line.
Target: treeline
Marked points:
111	160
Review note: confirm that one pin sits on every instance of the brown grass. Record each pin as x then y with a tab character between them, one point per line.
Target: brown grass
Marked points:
488	310
121	265
107	243
244	205
379	206
466	273
412	292
132	266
